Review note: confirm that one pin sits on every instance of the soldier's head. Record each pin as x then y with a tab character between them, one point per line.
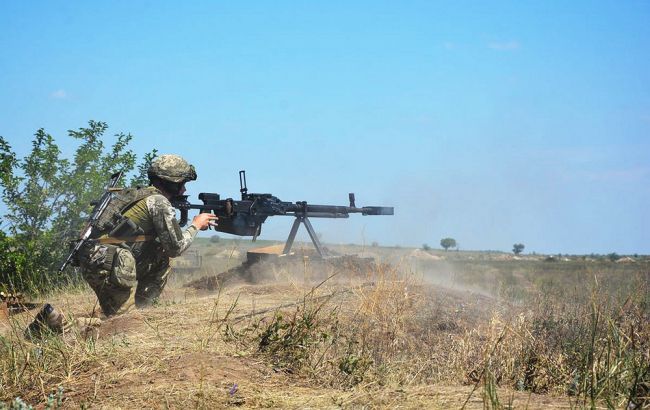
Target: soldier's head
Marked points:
169	173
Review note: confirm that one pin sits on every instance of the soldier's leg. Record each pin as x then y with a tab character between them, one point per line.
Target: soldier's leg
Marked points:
151	284
114	286
97	278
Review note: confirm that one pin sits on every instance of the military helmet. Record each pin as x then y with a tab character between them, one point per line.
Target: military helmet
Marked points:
172	168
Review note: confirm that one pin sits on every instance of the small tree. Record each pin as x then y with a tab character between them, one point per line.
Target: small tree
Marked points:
448	243
215	239
47	198
517	248
426	247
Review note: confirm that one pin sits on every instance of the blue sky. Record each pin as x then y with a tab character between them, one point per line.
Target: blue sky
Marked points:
490	123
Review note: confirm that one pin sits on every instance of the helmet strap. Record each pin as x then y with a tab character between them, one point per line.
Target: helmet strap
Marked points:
171	188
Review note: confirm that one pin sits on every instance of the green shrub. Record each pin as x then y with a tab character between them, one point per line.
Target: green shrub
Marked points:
47	199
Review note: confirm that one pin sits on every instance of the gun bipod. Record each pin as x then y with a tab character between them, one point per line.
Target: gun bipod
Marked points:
312	234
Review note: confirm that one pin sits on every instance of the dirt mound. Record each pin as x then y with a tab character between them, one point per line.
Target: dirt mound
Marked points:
249	273
291	268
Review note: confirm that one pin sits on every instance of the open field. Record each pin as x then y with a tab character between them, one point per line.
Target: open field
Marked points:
419	330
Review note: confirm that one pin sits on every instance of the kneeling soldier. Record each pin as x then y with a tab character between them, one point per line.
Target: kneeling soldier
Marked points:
143	235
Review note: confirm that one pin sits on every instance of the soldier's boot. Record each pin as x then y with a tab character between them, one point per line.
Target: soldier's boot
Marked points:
47	321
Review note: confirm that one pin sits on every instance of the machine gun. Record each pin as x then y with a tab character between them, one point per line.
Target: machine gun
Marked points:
245	217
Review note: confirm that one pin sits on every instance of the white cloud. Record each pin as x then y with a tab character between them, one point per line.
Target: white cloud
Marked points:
504	45
59	94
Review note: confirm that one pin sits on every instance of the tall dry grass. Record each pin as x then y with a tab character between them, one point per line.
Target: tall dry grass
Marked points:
592	345
33	370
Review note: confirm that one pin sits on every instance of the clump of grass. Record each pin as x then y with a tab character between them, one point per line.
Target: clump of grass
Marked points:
387	324
35	369
293	341
342	342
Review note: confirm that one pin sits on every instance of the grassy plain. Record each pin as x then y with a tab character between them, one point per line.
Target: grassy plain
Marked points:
421	329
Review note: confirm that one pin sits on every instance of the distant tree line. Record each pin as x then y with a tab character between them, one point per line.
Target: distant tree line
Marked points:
48	199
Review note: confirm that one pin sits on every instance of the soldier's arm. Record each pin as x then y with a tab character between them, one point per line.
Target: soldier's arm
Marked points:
169	233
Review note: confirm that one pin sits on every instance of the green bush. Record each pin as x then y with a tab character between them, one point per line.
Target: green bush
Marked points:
47	199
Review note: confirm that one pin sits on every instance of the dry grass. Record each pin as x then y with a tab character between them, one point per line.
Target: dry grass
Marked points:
316	337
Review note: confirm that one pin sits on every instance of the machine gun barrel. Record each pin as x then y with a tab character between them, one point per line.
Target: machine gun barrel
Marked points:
325	210
334	211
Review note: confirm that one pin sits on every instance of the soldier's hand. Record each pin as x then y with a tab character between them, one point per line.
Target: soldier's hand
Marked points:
204	221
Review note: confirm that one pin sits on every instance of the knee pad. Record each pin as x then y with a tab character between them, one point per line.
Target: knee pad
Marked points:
123	273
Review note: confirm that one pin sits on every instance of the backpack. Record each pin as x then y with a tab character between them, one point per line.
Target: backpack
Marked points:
112	220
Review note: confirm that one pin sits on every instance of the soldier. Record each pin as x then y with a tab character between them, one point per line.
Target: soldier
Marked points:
139	255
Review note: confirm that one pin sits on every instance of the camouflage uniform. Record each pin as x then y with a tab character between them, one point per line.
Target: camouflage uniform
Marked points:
114	270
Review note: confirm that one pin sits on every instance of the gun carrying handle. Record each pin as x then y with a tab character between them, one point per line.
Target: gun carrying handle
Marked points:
242	184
